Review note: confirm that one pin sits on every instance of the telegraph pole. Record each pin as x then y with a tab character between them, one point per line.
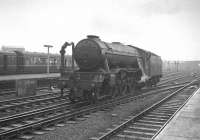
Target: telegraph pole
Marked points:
48	46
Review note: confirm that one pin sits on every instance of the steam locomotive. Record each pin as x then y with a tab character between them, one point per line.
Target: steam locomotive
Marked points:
17	62
107	70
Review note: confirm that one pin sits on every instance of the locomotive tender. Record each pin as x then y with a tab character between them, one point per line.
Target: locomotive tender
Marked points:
108	70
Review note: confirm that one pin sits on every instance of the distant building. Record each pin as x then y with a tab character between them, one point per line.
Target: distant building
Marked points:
12	48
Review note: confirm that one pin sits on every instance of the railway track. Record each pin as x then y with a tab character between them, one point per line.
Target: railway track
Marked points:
172	79
179	80
18	105
43	118
39	116
167	77
6	91
13	91
171	73
148	123
13	106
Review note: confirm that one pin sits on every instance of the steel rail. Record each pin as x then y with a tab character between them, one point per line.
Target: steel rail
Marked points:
56	107
119	128
31	102
8	91
172	80
60	116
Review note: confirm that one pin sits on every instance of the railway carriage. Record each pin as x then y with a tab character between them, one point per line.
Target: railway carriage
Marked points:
7	62
18	62
108	70
37	63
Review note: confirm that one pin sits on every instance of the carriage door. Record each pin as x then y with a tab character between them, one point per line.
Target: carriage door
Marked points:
20	62
5	62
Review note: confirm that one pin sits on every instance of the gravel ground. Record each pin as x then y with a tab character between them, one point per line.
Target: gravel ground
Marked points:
99	121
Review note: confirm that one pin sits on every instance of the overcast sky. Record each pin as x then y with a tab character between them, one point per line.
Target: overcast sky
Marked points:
169	28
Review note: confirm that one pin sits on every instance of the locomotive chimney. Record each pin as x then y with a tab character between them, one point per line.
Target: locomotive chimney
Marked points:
93	37
117	43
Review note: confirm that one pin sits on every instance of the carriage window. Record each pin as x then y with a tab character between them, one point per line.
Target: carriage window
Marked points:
28	61
42	60
14	59
31	60
34	60
11	59
52	61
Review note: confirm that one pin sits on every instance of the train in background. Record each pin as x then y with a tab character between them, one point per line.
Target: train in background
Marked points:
18	62
107	70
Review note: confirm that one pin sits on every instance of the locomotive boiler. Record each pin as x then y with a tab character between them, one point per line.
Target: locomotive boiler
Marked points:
108	69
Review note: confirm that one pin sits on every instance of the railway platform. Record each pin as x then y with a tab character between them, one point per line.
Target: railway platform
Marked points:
26	84
186	123
29	76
